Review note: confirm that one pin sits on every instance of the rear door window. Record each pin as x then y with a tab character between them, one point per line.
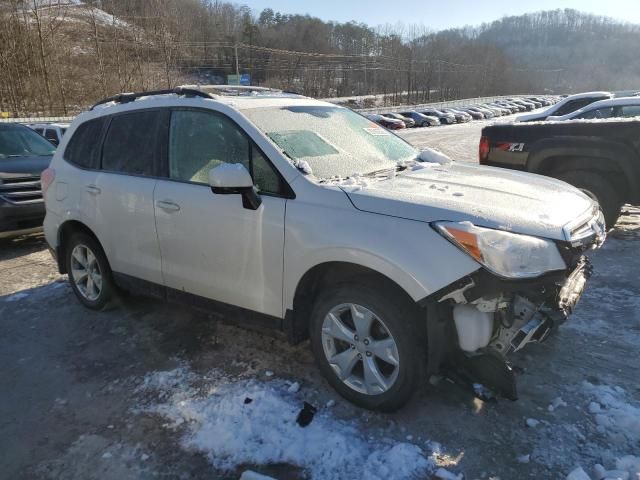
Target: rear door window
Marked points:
83	150
598	113
631	111
574	105
134	141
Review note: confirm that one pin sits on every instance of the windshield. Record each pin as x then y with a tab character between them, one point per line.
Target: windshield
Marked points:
333	141
18	142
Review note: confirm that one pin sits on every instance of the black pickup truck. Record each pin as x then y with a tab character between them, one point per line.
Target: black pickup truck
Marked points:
602	158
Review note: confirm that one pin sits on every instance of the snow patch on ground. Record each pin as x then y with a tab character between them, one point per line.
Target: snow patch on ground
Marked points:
616	417
614	414
16	296
236	422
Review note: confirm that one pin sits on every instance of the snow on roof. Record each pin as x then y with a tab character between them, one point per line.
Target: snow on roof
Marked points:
578	96
611	102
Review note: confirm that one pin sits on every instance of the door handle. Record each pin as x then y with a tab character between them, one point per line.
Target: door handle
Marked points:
168	206
93	190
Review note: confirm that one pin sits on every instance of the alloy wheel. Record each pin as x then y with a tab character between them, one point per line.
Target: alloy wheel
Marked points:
85	272
360	349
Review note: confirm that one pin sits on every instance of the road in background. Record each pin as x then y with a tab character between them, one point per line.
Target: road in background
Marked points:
459	141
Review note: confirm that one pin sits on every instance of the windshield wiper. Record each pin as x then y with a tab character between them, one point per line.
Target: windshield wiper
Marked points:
397	168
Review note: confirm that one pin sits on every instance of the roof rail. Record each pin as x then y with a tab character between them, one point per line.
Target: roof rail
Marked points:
131	97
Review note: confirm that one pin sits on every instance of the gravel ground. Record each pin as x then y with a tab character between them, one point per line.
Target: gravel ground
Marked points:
81	397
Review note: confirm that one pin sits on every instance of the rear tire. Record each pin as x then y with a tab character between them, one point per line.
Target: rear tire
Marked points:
380	371
598	188
89	272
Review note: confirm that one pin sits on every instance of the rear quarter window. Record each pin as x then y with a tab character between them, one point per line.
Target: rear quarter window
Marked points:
83	149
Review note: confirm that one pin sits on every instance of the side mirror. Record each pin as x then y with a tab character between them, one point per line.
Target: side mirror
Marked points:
233	178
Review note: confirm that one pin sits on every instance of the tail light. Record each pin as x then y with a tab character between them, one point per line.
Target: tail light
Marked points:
46	179
483	150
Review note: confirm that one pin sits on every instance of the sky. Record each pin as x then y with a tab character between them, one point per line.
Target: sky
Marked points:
440	14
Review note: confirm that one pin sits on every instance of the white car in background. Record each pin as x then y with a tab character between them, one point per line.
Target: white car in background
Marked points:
623	107
311	219
566	106
51	131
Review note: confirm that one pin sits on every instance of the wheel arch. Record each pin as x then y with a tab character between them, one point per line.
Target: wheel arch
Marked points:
613	160
296	320
65	231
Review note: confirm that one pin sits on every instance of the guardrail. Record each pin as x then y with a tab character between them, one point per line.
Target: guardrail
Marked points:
37	120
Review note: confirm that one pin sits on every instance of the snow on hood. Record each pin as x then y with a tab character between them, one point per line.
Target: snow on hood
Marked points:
491	197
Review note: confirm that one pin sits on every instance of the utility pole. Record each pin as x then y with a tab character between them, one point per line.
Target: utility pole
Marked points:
235	47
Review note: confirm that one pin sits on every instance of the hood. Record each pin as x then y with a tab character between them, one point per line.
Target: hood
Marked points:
532	117
26	165
491	197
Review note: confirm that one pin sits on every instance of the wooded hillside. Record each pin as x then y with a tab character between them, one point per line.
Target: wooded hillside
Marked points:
58	56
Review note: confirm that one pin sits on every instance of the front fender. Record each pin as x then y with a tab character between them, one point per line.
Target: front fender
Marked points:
409	253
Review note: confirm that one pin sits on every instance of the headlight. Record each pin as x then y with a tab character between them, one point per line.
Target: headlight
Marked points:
503	253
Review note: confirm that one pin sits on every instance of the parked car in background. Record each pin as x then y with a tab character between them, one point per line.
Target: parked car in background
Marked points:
544	102
567	105
23	156
390	123
461	117
500	110
602	158
536	103
51	131
515	108
408	121
512	107
279	212
528	105
621	107
485	112
475	114
445	118
421	119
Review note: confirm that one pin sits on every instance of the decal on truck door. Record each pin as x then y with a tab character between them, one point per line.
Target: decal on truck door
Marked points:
510	147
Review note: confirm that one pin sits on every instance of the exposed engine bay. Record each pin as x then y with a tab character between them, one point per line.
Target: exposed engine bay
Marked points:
494	318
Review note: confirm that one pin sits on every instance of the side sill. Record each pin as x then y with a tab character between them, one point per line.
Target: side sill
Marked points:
232	313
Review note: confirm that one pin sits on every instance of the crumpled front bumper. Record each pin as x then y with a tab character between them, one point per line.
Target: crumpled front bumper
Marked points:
519	312
553	313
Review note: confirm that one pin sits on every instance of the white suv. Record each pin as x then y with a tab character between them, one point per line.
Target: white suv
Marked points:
51	131
314	220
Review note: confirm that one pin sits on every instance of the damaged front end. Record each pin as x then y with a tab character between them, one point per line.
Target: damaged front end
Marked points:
489	316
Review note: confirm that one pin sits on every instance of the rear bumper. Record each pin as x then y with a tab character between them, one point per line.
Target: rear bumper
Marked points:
20	217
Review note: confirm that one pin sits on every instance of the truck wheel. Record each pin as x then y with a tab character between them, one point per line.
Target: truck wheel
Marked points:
89	272
367	345
598	188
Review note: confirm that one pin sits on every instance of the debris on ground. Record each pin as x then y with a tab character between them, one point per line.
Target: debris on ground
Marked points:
306	415
532	422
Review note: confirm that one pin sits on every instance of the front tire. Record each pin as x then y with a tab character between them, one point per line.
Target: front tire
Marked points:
368	345
600	189
89	272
